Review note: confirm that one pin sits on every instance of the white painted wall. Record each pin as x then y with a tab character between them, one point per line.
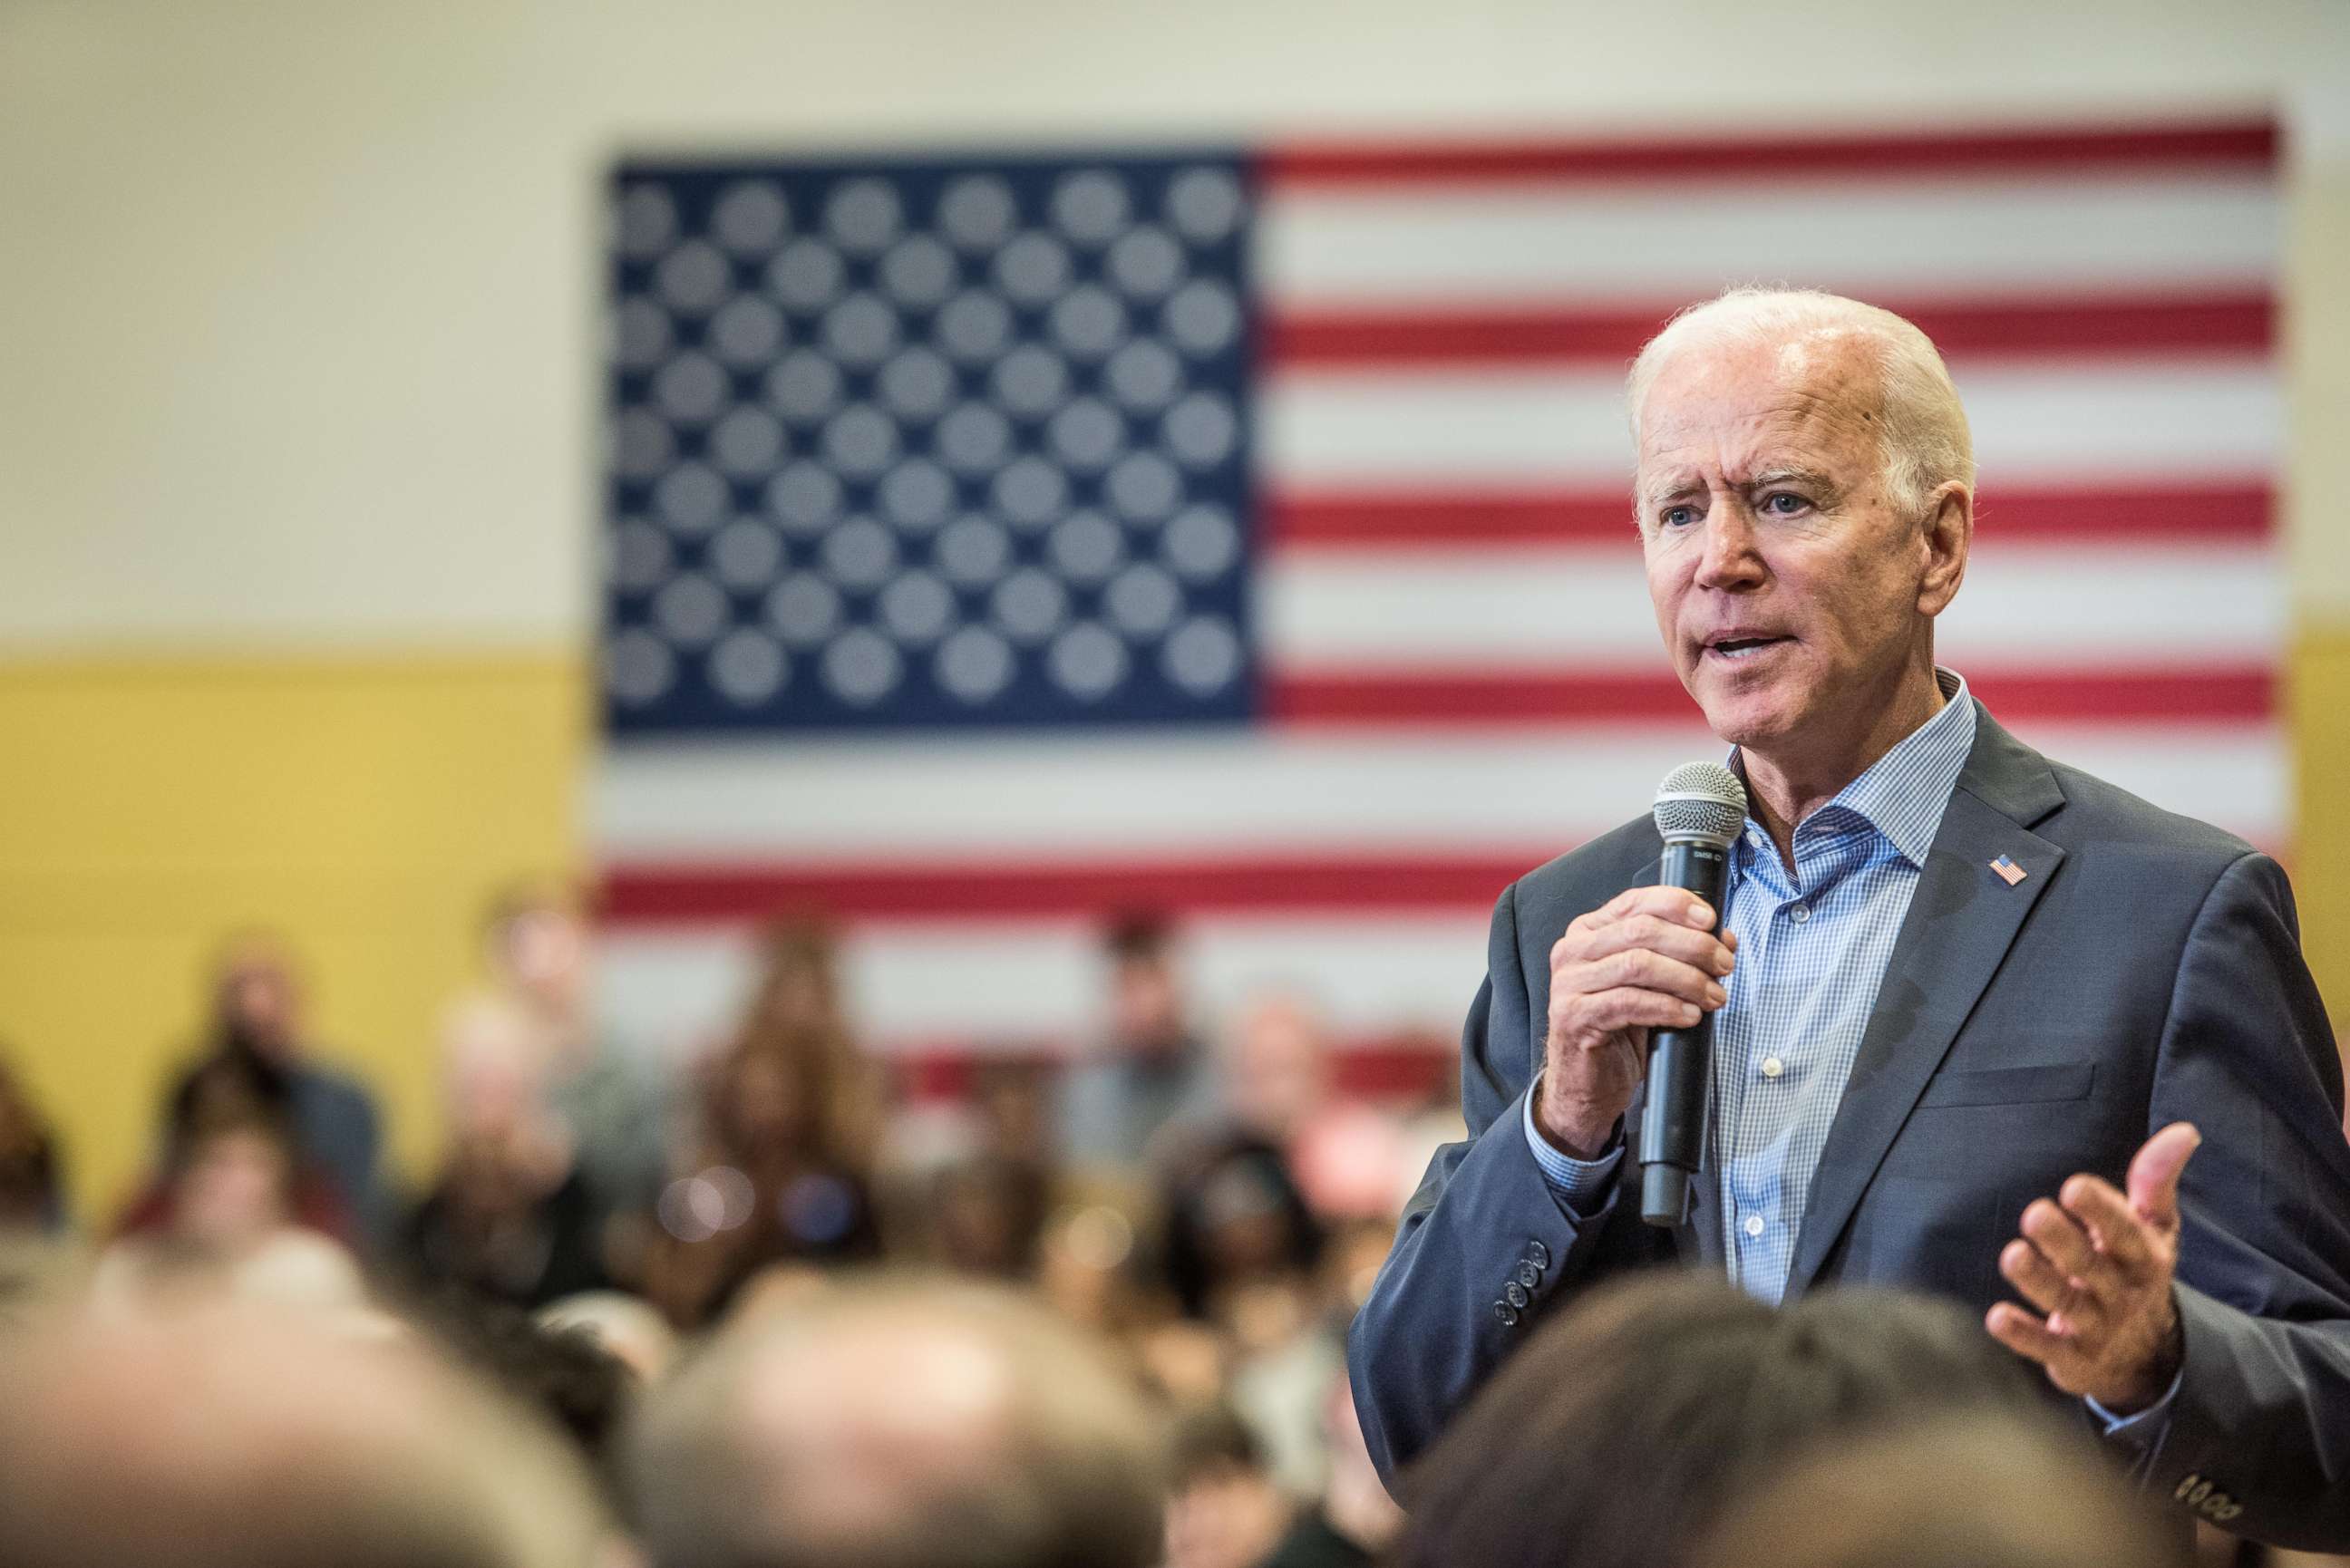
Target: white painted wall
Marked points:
297	298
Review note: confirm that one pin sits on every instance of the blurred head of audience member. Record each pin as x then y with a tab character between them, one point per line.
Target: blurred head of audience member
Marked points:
32	1175
891	1423
987	1216
1614	1437
1357	1519
565	1374
535	940
257	999
1961	1491
1239	1231
628	1327
235	1440
798	989
230	1222
1276	1070
508	1215
1147	1018
1224	1509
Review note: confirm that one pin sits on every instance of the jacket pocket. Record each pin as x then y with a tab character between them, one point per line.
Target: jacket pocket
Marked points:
2011	1085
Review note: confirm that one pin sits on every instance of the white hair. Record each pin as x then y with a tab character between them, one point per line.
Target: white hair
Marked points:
1922	425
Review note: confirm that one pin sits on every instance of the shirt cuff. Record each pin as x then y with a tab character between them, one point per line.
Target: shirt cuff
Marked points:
2140	1431
1580	1184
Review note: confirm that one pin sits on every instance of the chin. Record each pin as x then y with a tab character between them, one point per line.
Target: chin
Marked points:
1752	717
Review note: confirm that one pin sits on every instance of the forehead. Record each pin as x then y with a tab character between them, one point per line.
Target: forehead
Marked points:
1739	407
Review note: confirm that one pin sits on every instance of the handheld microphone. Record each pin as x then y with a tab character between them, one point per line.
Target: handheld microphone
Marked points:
1700	810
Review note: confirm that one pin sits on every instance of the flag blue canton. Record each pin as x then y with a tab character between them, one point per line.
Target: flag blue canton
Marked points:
928	444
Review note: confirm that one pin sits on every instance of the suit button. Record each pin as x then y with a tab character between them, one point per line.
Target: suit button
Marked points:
1528	1275
1507	1314
1537	1254
1516	1296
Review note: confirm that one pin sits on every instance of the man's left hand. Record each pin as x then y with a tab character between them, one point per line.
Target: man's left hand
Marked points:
2099	1264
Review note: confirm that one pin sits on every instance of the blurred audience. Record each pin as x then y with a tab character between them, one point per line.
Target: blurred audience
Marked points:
565	1374
1967	1490
1151	1069
628	1327
891	1423
1614	1439
1356	1519
245	1439
509	1217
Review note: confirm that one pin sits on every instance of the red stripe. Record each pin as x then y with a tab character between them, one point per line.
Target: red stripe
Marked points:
931	890
2244	144
2218	695
1370	1067
2219	513
2241	322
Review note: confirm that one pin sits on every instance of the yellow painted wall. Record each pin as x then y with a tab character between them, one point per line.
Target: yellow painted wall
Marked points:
369	805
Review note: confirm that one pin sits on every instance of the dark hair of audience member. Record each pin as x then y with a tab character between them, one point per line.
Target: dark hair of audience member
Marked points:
1139	936
32	1185
565	1374
1234	1216
1611	1439
1210	1441
1970	1489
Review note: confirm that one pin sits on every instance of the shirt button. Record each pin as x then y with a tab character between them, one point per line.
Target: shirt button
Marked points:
1772	1066
1800	913
1753	1226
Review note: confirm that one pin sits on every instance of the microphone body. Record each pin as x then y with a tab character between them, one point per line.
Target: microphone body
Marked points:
1700	810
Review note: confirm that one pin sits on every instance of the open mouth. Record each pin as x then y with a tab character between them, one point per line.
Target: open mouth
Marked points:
1739	648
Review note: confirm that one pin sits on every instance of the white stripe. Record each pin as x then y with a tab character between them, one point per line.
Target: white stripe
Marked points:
1032	983
1513	425
2116	607
1299	793
1671	239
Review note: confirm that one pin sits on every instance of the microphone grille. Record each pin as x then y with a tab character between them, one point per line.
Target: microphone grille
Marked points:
1701	800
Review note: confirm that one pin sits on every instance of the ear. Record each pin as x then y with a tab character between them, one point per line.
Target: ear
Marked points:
1947	531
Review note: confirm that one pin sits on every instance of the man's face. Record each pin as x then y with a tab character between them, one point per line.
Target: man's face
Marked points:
1791	592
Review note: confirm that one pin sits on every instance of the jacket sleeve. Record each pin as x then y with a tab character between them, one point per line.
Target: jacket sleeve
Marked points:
1483	1248
2259	1437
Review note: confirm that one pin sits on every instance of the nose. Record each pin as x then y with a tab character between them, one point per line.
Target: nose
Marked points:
1731	562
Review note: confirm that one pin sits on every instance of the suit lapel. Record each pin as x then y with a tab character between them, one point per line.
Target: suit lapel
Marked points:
1961	921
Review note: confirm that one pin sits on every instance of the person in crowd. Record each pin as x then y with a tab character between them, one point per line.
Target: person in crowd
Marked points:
778	1167
1356	1519
1617	1435
566	1375
509	1217
1237	1226
1964	1490
987	1217
243	1438
1276	1071
259	1013
1152	1070
894	1421
1224	1510
228	1225
616	1108
1955	983
32	1170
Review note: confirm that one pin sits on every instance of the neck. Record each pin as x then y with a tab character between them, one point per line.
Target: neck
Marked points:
1788	780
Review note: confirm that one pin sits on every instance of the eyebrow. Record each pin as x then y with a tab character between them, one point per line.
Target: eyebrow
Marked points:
1784	474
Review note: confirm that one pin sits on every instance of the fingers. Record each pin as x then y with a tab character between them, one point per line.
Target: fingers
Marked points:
1632	1007
2154	1174
1666	903
1646	971
2115	1229
1670	937
2047	1287
2032	1337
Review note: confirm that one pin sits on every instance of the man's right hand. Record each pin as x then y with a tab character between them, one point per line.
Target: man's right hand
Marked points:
1647	960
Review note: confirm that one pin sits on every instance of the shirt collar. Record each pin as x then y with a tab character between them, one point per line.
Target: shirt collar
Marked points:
1904	793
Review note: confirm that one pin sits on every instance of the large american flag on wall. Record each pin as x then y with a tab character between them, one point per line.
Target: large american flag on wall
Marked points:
995	542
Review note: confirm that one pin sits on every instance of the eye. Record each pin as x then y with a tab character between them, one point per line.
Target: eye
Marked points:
1677	516
1795	504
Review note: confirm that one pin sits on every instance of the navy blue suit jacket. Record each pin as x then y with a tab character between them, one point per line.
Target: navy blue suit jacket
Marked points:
2147	970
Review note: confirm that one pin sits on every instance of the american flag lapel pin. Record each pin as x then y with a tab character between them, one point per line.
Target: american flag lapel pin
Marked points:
2009	871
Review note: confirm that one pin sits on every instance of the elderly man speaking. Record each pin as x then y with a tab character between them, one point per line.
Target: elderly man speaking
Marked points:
1983	1024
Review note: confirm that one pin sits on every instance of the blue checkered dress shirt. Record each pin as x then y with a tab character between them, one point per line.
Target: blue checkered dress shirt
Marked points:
1812	945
